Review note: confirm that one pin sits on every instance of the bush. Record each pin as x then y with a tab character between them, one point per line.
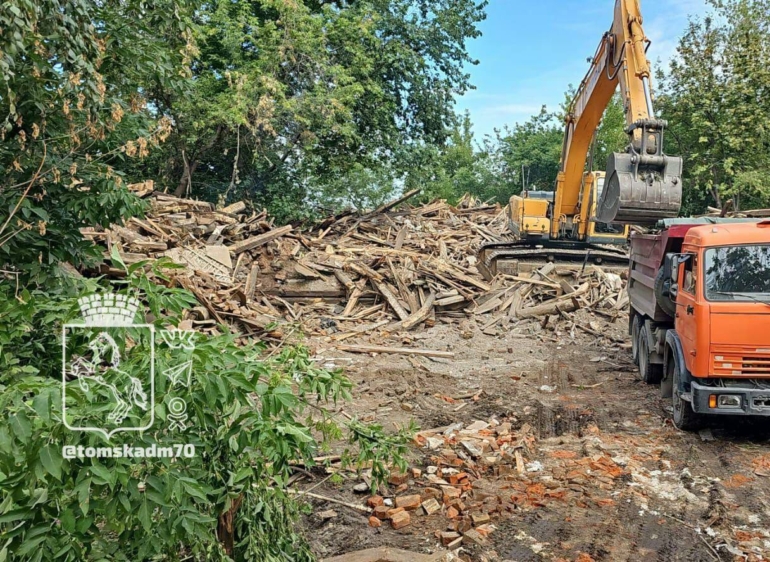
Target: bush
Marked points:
251	414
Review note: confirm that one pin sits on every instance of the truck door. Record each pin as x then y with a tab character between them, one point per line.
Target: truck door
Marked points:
686	307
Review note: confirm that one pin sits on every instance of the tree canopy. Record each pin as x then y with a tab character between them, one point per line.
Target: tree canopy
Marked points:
288	97
716	97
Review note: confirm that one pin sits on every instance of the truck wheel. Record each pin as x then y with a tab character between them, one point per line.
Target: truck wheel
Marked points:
684	416
649	373
636	326
662	288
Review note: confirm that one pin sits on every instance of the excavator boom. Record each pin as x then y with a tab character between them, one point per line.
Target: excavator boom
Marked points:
642	185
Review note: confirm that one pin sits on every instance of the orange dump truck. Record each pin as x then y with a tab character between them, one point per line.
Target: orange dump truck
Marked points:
700	316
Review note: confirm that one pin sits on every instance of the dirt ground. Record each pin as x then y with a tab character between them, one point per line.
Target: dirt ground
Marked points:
607	476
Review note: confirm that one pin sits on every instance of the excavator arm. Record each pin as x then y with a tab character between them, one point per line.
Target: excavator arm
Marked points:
643	185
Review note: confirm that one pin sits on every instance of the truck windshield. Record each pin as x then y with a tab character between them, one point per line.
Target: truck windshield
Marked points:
739	273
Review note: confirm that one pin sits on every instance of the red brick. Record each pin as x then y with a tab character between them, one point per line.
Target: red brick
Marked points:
429	493
449	537
375	501
431	506
457	478
473	537
394	511
450	493
409	503
452	513
400	520
374	522
397	478
381	512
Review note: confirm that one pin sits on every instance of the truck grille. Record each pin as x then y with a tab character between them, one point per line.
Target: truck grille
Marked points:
741	363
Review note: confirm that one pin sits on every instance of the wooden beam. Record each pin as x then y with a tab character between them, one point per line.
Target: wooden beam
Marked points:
395	350
385	291
418	317
261	240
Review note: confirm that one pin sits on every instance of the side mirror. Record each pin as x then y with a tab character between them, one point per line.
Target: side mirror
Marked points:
671	268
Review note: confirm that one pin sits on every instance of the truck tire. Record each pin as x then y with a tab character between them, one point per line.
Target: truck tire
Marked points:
636	327
684	417
649	373
662	287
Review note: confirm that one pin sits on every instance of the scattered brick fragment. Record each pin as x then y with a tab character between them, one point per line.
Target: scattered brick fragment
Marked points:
400	520
375	501
409	503
449	537
381	512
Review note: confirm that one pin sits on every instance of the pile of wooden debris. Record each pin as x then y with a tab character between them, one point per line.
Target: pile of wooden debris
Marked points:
391	270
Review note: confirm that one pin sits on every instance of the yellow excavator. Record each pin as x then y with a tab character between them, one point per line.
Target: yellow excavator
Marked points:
529	216
588	209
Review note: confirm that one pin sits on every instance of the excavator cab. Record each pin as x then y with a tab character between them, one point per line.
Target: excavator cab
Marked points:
529	215
643	185
599	232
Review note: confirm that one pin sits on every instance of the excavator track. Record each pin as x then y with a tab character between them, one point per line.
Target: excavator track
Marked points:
537	253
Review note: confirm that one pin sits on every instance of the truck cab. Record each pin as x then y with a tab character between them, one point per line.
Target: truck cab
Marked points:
700	316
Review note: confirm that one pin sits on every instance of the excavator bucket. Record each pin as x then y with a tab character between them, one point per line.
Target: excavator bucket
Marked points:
643	186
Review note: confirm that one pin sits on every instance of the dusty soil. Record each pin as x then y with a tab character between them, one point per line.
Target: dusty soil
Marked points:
670	495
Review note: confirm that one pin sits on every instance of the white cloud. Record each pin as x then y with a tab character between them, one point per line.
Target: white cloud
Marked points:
668	26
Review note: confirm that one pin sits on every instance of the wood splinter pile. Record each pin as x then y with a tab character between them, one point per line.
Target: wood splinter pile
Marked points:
391	270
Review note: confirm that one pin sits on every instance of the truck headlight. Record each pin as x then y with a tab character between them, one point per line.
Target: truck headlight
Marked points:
728	401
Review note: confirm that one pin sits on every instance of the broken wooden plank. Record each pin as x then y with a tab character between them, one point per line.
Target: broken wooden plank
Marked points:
449	301
385	291
396	351
566	303
422	314
234	209
251	282
365	271
360	331
400	238
306	272
262	239
345	279
388	206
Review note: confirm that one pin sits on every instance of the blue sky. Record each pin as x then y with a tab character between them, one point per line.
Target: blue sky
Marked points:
531	50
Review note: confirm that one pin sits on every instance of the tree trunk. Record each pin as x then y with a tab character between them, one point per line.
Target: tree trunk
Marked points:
189	170
190	167
226	527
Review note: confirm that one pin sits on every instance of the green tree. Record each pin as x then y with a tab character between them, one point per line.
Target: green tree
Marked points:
611	135
531	151
461	166
716	97
73	76
290	96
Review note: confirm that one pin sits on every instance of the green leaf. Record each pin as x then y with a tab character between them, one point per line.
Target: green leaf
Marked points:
28	546
52	460
42	405
116	259
104	475
68	521
144	515
21	426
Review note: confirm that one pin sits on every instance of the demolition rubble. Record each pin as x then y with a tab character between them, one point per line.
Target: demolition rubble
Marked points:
392	270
